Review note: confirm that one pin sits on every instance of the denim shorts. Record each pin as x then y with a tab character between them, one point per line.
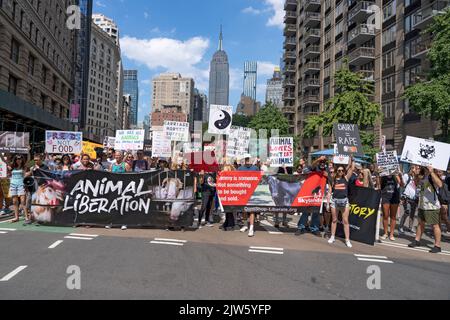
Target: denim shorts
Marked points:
339	203
16	190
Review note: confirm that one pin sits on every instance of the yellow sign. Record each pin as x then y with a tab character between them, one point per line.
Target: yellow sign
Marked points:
89	148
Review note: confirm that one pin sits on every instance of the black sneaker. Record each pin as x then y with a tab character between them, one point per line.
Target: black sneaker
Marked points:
414	244
277	226
436	250
316	233
299	232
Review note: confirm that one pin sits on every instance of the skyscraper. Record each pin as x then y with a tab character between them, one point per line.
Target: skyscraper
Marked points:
250	77
219	77
274	91
131	87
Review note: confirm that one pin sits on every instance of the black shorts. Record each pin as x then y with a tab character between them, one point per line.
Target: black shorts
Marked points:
390	198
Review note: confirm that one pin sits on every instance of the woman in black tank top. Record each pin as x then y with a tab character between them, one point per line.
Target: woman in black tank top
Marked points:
339	201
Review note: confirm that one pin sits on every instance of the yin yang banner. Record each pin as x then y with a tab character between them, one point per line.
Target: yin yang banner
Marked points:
95	198
220	119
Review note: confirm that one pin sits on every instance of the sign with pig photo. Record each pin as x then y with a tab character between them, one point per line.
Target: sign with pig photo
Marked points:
348	139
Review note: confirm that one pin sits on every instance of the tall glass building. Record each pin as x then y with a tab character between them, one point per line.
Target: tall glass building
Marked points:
131	87
250	77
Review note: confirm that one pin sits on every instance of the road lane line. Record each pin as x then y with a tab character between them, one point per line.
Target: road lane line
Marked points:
369	256
267	248
7	229
375	260
170	240
3	232
265	251
84	235
168	243
78	238
54	245
13	273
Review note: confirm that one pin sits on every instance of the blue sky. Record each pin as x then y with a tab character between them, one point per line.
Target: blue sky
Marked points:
182	35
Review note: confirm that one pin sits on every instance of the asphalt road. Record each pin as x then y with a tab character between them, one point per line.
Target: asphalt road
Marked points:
210	264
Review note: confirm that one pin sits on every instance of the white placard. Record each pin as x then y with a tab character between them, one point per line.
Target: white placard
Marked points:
220	119
426	153
109	142
132	140
281	151
339	158
63	142
176	131
3	169
161	146
388	163
238	142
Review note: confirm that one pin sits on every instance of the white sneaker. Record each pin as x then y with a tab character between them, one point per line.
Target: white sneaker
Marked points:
348	244
244	229
209	225
332	240
107	227
384	237
124	228
251	233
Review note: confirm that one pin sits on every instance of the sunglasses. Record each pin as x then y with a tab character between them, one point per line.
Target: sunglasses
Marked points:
340	170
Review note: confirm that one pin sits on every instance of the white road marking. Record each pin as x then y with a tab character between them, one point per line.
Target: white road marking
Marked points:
84	235
3	232
375	260
267	248
269	228
57	243
78	238
369	256
265	251
13	273
7	229
170	240
168	243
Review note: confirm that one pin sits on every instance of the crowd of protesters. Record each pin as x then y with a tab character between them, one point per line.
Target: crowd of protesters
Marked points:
421	192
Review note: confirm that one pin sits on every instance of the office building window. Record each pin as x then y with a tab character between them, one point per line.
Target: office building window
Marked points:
389	109
12	85
388	59
413	75
15	47
389	10
389	84
389	35
31	63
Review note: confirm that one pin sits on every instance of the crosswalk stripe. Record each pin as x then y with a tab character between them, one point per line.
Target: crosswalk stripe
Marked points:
3	232
84	235
267	248
54	245
369	256
78	238
13	273
375	260
265	251
168	243
170	240
7	229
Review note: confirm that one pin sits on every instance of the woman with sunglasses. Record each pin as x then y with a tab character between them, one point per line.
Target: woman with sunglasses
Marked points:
339	201
17	191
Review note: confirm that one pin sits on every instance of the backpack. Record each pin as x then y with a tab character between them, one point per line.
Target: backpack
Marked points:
443	193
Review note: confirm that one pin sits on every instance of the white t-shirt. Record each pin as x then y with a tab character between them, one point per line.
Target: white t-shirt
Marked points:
428	199
411	188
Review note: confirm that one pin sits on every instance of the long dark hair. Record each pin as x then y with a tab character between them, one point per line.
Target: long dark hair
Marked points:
14	162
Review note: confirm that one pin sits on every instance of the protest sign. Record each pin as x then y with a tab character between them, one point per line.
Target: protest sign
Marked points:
364	204
161	146
89	148
109	142
63	142
426	153
14	142
348	139
3	169
281	152
148	148
132	140
388	163
238	142
255	192
339	158
176	131
147	199
220	119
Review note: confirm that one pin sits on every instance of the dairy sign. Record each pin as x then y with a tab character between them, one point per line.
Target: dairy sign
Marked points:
348	139
132	140
281	151
63	142
176	131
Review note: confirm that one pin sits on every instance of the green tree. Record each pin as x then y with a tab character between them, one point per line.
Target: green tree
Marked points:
350	104
431	98
270	118
241	120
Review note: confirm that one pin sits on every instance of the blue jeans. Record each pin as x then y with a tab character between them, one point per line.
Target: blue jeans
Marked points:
315	222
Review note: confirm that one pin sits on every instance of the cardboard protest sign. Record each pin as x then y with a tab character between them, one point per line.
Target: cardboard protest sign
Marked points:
388	163
220	119
90	149
339	158
281	152
3	169
109	142
238	142
426	153
176	131
14	142
348	139
161	146
63	142
132	140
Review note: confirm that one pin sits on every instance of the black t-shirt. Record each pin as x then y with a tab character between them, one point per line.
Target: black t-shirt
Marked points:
340	188
389	185
209	183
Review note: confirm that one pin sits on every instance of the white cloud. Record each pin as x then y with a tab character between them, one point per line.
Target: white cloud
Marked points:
266	68
171	55
252	10
100	4
277	7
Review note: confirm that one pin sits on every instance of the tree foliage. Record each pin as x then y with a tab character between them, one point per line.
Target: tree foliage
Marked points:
241	120
431	98
270	118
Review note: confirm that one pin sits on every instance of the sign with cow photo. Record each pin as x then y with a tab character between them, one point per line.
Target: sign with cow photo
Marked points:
63	142
426	153
255	192
14	142
348	139
339	158
388	163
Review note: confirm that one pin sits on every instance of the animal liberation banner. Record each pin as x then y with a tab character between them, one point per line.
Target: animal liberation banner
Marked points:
176	131
348	139
132	140
220	119
426	153
161	146
364	204
255	192
14	142
97	198
388	163
238	142
339	158
63	142
281	152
